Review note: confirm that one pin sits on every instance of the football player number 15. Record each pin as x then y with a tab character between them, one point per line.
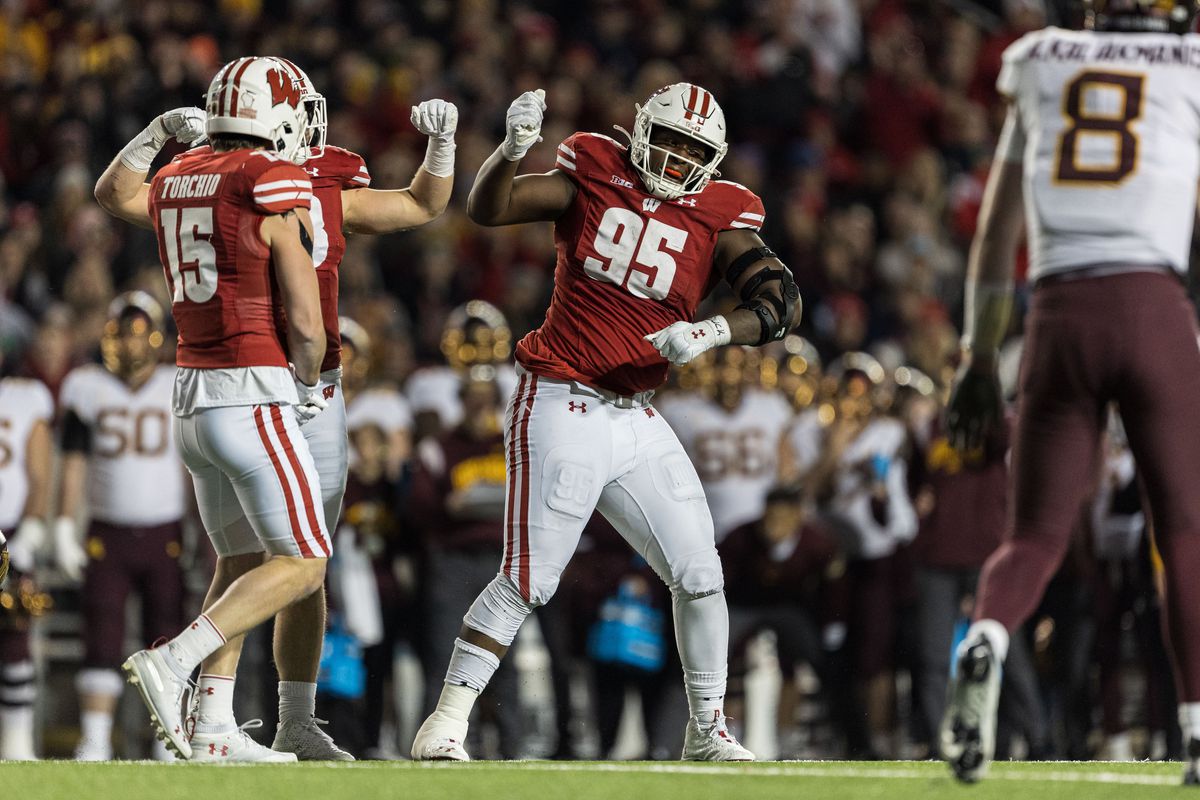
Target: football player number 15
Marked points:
635	253
190	256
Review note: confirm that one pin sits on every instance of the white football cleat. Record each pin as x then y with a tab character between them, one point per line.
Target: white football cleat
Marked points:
1191	763
440	738
968	731
308	742
710	740
235	746
162	692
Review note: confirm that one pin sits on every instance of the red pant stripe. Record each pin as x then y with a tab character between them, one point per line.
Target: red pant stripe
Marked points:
523	559
510	522
302	479
297	534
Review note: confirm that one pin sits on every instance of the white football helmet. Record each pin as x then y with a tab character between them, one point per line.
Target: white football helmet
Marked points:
692	111
259	96
314	108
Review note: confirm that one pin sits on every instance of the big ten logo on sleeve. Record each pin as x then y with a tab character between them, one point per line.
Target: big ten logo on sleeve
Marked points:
143	432
635	254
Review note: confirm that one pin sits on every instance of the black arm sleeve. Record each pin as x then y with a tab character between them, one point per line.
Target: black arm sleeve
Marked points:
76	436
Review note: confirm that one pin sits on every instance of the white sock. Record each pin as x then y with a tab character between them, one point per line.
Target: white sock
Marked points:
471	666
702	636
994	632
1189	721
197	642
16	734
297	701
456	702
215	707
96	726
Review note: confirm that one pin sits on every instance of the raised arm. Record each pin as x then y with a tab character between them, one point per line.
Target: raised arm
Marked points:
770	304
422	201
976	405
298	288
121	189
498	196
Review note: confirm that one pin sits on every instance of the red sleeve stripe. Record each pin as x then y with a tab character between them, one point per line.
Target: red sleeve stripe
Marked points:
749	216
750	225
279	197
288	184
562	161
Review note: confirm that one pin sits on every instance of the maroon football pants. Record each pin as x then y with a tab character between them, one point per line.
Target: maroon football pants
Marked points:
122	559
1129	338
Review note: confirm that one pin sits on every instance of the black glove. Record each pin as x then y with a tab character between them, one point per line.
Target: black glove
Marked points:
976	408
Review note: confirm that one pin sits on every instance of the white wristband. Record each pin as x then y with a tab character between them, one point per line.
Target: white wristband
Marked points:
724	335
439	157
139	154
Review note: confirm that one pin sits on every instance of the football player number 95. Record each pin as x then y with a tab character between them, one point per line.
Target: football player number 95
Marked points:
190	256
636	253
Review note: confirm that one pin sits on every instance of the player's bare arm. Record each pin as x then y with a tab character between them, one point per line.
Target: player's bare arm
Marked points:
422	201
298	286
976	405
122	189
498	196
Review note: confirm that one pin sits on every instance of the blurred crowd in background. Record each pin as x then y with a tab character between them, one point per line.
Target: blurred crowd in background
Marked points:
851	533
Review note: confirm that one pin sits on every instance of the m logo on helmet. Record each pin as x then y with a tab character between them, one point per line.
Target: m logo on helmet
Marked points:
283	89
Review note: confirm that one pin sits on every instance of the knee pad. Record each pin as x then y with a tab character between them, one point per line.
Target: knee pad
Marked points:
697	575
498	611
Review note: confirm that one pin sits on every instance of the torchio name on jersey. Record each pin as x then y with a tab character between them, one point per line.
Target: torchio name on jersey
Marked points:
207	209
135	477
330	172
628	264
23	404
1110	139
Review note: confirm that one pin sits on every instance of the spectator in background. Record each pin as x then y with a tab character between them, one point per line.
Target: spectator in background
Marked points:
457	501
784	573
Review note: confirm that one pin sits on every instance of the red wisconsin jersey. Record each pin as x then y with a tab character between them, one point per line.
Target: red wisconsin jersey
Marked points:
335	170
207	209
629	264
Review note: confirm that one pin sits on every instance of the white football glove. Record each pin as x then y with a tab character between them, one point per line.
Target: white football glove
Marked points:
27	544
523	124
69	554
311	402
438	120
185	124
680	342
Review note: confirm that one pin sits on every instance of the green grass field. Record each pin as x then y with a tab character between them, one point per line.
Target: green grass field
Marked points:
533	780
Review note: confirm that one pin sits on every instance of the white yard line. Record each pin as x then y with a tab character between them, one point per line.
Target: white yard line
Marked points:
829	770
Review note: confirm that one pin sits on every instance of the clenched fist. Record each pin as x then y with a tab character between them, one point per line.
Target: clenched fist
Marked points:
523	124
185	124
680	342
436	118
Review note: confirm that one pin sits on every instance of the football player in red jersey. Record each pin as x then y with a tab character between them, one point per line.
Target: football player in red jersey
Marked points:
341	203
234	239
643	234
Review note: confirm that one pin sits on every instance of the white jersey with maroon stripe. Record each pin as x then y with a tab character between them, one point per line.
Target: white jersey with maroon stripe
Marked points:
1109	137
134	474
23	404
736	453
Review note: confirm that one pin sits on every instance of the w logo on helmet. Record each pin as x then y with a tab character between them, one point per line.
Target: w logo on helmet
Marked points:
699	104
283	89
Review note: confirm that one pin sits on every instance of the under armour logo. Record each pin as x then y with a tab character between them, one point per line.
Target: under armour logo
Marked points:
195	625
212	749
327	392
313	171
580	407
650	205
699	333
650	413
690	202
210	691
